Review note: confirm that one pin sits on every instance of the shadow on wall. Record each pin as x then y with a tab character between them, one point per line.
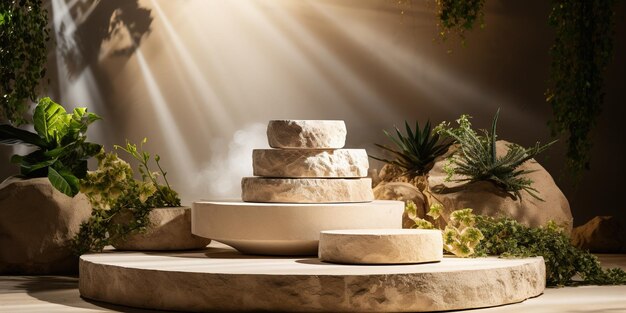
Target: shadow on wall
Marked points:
94	39
86	34
97	23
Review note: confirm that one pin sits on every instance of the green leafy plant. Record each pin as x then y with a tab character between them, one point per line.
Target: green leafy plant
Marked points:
476	158
121	204
416	150
460	237
24	33
458	16
582	49
467	234
166	195
61	152
508	238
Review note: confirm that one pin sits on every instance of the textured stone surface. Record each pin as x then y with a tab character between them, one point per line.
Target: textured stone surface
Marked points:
37	223
310	163
306	190
170	229
222	280
487	199
287	228
600	234
306	134
381	246
402	191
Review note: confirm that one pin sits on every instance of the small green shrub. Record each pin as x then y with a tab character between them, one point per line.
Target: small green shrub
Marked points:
121	204
416	150
508	238
61	148
476	235
476	158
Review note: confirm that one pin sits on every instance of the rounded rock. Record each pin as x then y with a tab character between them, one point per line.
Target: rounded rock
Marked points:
306	134
170	229
37	225
485	198
381	246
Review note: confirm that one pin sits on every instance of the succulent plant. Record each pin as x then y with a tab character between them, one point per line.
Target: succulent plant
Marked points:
417	150
476	158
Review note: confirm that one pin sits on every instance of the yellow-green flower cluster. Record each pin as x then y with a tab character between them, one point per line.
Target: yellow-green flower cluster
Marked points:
460	237
111	181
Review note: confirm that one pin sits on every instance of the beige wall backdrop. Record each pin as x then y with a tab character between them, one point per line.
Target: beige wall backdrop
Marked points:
200	79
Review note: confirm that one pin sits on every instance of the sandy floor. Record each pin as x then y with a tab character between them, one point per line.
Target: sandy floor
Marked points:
60	294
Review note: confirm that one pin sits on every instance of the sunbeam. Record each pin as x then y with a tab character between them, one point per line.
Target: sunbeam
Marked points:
207	101
168	127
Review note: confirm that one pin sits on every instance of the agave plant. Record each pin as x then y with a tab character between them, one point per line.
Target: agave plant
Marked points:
476	159
416	150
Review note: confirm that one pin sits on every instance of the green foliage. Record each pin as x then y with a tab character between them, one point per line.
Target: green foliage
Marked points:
582	49
23	35
167	195
417	150
61	152
121	204
508	238
460	237
476	158
458	16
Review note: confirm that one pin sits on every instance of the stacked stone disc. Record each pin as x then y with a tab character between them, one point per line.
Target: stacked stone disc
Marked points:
308	165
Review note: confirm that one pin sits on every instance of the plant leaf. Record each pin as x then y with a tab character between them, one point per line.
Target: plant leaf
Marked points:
64	182
493	138
10	135
51	121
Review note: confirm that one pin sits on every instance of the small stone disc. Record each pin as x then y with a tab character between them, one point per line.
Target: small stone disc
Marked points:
381	246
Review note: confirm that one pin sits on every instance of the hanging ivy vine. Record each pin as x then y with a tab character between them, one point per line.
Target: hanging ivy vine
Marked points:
23	36
458	16
582	49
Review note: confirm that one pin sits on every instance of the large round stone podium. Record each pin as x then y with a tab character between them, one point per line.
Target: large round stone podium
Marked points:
287	228
221	279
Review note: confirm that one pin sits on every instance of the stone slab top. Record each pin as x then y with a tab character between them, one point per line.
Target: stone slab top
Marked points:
221	259
306	134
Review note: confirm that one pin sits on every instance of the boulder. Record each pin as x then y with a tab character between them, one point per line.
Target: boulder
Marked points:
306	190
306	134
392	173
402	192
601	234
37	223
170	229
486	198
